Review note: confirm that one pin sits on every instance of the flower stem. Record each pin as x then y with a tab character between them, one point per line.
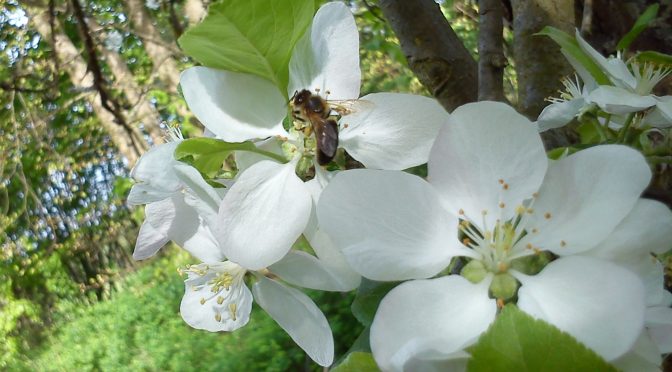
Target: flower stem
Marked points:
622	135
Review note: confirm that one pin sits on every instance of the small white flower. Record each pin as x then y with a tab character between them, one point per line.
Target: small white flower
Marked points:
269	206
563	109
176	195
153	4
216	298
490	184
114	40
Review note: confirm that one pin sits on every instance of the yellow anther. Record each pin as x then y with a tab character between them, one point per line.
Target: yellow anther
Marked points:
500	303
218	317
502	267
528	245
202	301
537	251
535	195
487	235
220	300
484	212
534	231
547	215
461	212
232	310
502	205
505	186
563	243
501	181
466	241
530	211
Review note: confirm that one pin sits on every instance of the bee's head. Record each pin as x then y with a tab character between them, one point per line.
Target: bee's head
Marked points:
301	97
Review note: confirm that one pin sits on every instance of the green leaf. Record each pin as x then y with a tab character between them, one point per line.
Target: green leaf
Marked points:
254	36
571	46
208	154
369	295
654	57
640	25
518	342
357	362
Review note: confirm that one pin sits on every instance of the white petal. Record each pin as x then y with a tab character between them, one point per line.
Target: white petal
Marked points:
327	56
263	214
585	196
661	116
437	362
149	242
191	177
418	317
646	229
329	271
599	303
299	317
613	67
586	77
644	357
487	156
659	322
181	224
619	101
389	225
155	175
559	114
235	106
392	131
200	305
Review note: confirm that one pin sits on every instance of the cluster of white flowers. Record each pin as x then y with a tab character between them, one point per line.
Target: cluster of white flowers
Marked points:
630	92
492	201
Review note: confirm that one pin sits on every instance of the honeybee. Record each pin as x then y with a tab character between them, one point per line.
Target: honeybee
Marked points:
315	109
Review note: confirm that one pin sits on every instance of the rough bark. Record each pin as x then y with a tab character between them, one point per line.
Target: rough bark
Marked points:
433	50
539	64
155	46
69	58
141	111
491	61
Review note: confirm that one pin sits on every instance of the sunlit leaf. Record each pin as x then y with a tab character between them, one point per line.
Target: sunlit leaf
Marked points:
518	342
255	36
357	362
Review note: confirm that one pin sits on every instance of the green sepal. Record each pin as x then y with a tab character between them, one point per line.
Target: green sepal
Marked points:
357	362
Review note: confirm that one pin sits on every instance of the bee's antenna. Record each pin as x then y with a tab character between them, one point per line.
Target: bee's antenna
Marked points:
292	97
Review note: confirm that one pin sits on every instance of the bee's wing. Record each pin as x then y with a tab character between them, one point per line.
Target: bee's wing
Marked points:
351	106
326	137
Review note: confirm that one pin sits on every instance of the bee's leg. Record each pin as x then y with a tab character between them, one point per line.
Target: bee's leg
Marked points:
307	131
296	114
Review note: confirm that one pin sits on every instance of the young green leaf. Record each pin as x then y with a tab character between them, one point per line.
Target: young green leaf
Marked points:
571	46
356	362
654	57
518	342
254	36
208	154
640	25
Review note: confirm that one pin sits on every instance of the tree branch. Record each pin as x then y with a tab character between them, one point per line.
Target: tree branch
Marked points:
433	50
490	49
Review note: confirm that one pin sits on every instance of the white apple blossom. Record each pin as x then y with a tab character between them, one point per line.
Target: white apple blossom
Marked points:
216	297
268	207
493	197
178	203
631	91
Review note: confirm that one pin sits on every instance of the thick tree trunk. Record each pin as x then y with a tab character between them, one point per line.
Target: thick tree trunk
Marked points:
433	50
141	112
539	64
491	61
128	140
155	46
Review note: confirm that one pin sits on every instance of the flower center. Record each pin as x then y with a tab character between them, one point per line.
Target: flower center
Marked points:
221	287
